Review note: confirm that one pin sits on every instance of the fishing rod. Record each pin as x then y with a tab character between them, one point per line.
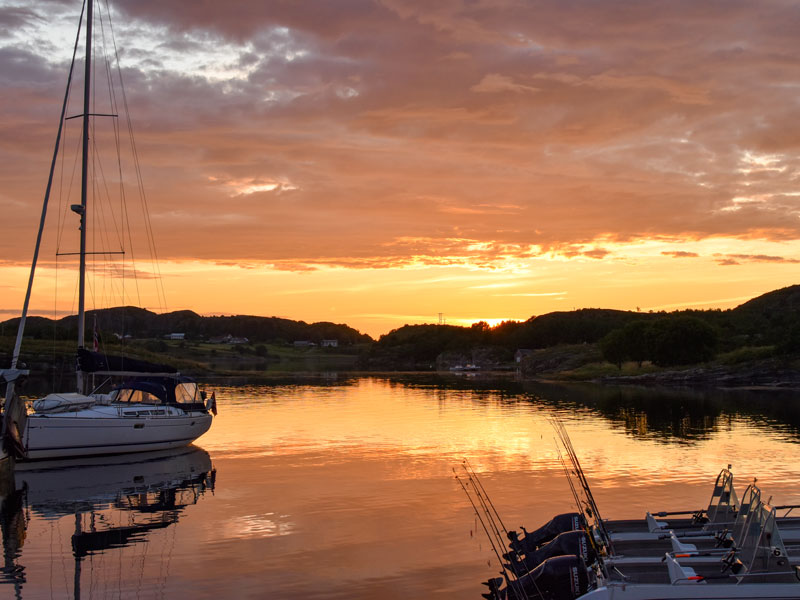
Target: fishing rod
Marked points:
489	517
579	502
568	475
515	585
493	516
567	443
481	492
572	456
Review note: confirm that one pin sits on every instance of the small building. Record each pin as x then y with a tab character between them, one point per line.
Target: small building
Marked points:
329	343
303	344
175	336
228	339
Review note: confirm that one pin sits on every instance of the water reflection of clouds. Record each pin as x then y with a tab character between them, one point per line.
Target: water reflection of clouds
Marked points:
619	431
373	419
419	428
257	526
347	490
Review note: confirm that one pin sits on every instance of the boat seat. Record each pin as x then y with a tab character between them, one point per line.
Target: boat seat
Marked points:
678	546
680	575
653	525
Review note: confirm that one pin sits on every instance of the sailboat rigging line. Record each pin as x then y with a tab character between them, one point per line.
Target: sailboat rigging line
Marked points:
138	171
515	584
92	115
123	227
68	186
90	253
23	318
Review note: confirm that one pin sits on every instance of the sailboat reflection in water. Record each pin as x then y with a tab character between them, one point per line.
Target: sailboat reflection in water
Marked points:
116	503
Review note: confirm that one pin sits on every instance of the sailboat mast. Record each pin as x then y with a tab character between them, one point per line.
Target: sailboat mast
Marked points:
10	375
87	80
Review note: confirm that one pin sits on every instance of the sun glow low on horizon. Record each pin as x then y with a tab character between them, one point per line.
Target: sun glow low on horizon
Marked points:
378	300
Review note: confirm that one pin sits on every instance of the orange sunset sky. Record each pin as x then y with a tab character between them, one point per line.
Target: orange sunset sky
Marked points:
380	162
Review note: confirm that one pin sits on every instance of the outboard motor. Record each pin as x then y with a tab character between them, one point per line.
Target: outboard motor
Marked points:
533	539
564	544
558	578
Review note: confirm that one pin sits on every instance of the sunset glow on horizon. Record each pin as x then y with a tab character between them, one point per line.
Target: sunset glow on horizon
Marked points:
379	163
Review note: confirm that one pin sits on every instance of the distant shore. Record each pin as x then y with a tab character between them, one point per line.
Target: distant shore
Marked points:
564	363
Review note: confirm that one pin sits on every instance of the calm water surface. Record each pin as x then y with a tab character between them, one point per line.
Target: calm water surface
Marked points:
345	489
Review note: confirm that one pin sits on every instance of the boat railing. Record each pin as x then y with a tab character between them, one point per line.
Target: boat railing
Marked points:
751	499
723	504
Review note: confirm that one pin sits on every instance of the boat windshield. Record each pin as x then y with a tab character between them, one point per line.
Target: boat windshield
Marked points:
750	501
724	503
186	391
762	548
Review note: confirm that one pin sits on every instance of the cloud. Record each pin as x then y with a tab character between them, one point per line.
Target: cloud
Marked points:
680	254
311	134
736	259
495	82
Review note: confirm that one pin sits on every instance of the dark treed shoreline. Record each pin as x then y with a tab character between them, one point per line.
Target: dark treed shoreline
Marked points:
754	344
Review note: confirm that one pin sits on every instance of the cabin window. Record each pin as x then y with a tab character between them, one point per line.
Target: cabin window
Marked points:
137	396
185	392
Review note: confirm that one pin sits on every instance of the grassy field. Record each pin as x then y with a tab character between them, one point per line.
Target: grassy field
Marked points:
194	358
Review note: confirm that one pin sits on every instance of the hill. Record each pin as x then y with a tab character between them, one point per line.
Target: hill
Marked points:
766	326
761	331
138	323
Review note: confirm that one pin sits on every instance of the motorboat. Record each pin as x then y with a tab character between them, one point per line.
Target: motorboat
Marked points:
756	563
730	550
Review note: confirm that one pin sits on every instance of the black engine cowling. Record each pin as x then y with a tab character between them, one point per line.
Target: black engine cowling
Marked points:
531	540
557	578
569	542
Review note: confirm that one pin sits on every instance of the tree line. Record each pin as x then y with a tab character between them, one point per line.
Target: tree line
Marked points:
666	342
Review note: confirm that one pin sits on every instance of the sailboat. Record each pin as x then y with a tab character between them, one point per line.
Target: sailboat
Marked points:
154	408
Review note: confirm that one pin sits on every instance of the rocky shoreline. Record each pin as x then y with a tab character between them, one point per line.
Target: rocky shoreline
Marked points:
764	374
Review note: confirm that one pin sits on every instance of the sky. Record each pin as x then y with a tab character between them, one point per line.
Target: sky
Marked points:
381	163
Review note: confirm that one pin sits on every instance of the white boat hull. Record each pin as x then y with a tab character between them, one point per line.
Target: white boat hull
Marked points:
112	430
742	591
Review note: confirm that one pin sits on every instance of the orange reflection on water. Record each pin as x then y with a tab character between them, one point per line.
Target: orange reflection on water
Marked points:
346	488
